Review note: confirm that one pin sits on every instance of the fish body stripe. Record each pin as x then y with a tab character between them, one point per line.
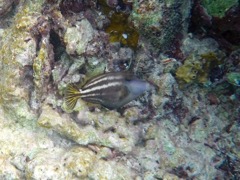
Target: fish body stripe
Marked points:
92	95
96	78
99	80
115	74
101	87
94	100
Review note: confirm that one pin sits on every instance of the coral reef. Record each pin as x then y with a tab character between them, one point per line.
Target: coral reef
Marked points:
197	68
5	7
225	29
161	22
74	6
120	31
185	127
16	80
234	78
219	7
204	61
52	120
119	28
79	37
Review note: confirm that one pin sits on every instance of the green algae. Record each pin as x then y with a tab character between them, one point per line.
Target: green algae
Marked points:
38	65
160	22
196	68
234	78
146	17
218	7
13	97
120	29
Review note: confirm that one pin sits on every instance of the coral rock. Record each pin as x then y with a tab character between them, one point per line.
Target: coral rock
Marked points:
77	38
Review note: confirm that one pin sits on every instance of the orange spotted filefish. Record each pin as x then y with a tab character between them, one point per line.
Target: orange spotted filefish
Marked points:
111	90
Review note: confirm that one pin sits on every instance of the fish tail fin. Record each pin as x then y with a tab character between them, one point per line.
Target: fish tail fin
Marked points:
72	94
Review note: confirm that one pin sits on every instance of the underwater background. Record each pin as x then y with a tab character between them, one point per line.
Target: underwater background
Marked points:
186	127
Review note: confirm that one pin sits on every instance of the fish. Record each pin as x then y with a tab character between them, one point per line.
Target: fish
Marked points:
111	90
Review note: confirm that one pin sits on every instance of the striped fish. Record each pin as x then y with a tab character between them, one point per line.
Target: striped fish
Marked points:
111	90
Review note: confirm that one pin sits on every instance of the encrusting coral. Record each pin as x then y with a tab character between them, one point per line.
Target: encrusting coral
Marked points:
196	68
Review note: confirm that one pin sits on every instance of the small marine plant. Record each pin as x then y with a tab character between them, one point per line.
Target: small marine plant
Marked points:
196	68
119	28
